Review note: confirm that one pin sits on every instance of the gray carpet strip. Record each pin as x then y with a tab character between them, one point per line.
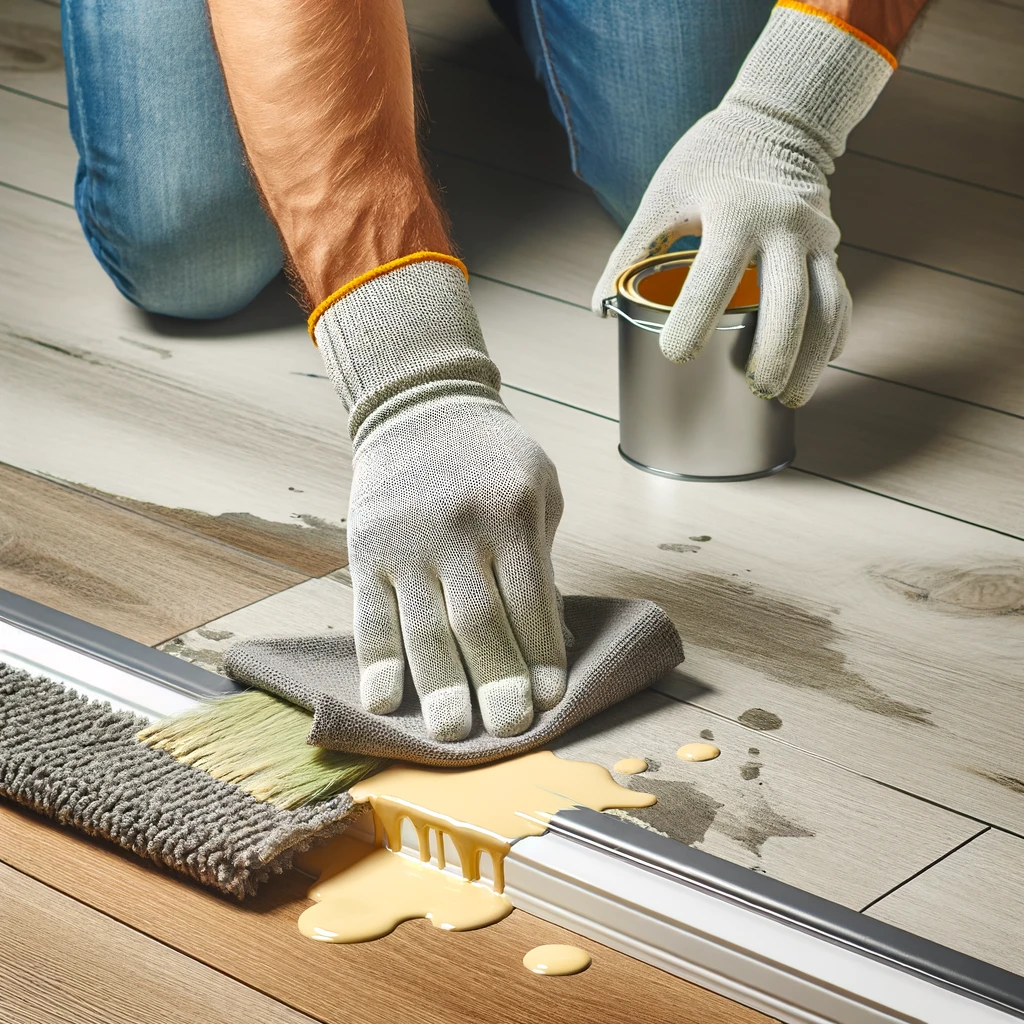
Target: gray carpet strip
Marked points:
78	762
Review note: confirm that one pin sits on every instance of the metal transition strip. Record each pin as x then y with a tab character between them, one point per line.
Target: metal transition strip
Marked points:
100	663
758	941
761	942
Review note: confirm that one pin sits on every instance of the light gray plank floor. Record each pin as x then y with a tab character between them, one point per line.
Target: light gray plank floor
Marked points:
973	900
763	803
854	618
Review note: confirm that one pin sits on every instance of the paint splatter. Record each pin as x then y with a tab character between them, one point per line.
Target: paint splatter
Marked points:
702	539
680	548
758	718
753	752
707	734
750	770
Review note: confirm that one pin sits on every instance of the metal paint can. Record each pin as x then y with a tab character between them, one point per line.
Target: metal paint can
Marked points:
696	420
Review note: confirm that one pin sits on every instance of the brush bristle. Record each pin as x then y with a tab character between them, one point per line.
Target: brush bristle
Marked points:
258	742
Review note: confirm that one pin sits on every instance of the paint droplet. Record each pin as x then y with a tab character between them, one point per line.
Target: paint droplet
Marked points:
630	766
758	718
296	490
706	734
556	960
702	539
697	752
753	752
750	771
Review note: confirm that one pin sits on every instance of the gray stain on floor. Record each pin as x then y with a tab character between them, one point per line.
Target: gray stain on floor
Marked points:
1010	782
680	548
766	631
687	815
758	718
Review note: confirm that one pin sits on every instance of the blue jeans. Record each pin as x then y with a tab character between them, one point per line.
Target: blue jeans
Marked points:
162	189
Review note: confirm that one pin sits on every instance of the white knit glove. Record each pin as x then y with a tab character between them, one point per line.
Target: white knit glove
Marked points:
452	513
750	177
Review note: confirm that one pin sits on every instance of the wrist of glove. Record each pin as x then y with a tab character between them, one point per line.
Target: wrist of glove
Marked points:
452	512
751	178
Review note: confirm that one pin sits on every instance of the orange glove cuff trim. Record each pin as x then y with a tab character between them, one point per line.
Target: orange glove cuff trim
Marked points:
384	268
843	26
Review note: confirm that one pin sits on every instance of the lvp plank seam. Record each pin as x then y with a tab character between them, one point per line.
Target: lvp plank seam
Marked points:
799	469
986	825
934	174
68	894
965	85
927	867
822	476
177	527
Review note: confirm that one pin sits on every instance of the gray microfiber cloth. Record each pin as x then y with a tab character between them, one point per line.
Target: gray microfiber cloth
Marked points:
620	647
78	761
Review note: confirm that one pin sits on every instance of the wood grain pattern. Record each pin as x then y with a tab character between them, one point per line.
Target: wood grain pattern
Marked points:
30	49
812	602
972	41
762	804
972	901
61	961
181	432
417	972
116	569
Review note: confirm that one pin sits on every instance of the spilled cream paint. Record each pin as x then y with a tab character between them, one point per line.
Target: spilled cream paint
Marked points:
557	960
697	752
630	766
464	820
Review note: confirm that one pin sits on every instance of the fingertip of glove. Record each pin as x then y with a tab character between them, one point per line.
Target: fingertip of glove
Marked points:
506	706
447	713
548	683
381	685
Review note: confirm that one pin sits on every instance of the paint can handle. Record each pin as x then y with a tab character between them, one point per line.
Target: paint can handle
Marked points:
611	305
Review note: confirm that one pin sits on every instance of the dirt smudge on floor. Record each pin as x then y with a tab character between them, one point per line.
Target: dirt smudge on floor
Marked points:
702	539
707	734
202	656
769	633
750	771
990	590
682	811
758	718
759	823
680	548
214	634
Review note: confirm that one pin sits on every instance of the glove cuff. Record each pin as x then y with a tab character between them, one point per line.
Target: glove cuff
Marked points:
814	72
398	329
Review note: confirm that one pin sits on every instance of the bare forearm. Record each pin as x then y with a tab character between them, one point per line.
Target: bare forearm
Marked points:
886	21
322	92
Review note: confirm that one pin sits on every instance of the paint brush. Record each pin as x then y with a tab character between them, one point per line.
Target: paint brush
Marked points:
258	742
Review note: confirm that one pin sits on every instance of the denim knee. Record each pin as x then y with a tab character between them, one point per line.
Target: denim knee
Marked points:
162	189
627	80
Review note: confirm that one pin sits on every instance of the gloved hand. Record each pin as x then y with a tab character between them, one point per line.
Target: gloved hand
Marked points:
453	508
750	177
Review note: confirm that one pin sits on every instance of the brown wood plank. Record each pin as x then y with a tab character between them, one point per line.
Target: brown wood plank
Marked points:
61	961
417	972
118	569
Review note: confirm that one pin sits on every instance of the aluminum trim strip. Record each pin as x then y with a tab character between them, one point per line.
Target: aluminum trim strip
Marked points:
832	921
104	645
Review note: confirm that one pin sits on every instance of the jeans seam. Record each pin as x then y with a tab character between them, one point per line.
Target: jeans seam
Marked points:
563	100
87	216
